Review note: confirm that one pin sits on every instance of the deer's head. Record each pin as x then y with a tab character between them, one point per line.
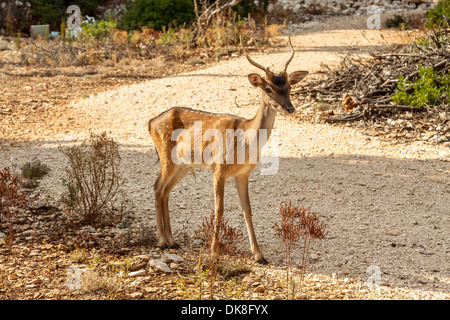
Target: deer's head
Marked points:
277	86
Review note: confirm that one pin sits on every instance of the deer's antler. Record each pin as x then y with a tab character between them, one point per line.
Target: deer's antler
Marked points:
265	69
292	54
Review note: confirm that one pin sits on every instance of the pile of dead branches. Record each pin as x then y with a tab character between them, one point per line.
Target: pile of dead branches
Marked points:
364	87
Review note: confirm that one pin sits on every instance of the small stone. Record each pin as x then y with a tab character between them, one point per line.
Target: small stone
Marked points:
138	265
345	271
173	265
247	280
173	257
314	256
136	295
159	265
260	289
137	273
142	257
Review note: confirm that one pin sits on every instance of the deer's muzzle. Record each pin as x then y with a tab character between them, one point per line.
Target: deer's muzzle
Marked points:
288	107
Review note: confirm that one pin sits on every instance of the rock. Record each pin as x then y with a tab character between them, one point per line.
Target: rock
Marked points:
142	257
173	257
137	273
314	256
247	280
138	265
345	271
159	265
260	289
136	295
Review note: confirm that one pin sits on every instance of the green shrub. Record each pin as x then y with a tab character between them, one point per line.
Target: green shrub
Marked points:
436	16
47	12
100	29
396	21
429	89
249	6
156	14
52	11
34	170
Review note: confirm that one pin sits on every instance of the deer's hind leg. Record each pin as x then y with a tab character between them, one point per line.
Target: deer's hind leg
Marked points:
165	176
176	178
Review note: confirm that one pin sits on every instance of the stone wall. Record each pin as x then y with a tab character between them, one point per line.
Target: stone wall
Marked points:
348	7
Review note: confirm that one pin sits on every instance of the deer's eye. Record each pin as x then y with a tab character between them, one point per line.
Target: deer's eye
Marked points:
269	90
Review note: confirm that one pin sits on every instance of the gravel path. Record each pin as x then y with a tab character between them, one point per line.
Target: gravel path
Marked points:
385	205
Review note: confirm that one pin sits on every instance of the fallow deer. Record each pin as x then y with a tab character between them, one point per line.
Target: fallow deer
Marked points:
275	96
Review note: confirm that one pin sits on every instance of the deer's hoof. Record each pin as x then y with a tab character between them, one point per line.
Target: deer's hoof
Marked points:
175	246
262	261
163	247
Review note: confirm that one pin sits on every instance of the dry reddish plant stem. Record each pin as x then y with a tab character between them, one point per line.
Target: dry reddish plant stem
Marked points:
297	223
11	198
227	238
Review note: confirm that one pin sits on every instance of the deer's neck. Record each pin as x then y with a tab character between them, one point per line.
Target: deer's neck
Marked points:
265	117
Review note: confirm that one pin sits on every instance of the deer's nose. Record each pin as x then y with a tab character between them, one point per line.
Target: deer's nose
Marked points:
289	107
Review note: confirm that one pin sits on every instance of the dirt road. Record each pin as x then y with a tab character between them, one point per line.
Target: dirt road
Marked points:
385	205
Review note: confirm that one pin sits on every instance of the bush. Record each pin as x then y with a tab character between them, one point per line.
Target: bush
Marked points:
156	14
395	22
52	11
100	29
429	89
438	16
34	170
94	181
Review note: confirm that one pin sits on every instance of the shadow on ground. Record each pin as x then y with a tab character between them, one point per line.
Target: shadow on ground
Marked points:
391	213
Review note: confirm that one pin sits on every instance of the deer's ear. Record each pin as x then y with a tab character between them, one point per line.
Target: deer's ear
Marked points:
255	79
296	77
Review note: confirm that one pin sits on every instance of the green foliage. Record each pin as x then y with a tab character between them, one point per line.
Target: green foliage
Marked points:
249	6
436	16
52	11
100	29
34	169
429	89
47	11
156	14
395	22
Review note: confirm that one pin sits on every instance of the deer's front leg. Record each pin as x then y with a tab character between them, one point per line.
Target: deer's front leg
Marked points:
219	191
242	188
159	194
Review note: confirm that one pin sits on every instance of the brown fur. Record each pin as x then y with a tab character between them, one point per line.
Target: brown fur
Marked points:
162	127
